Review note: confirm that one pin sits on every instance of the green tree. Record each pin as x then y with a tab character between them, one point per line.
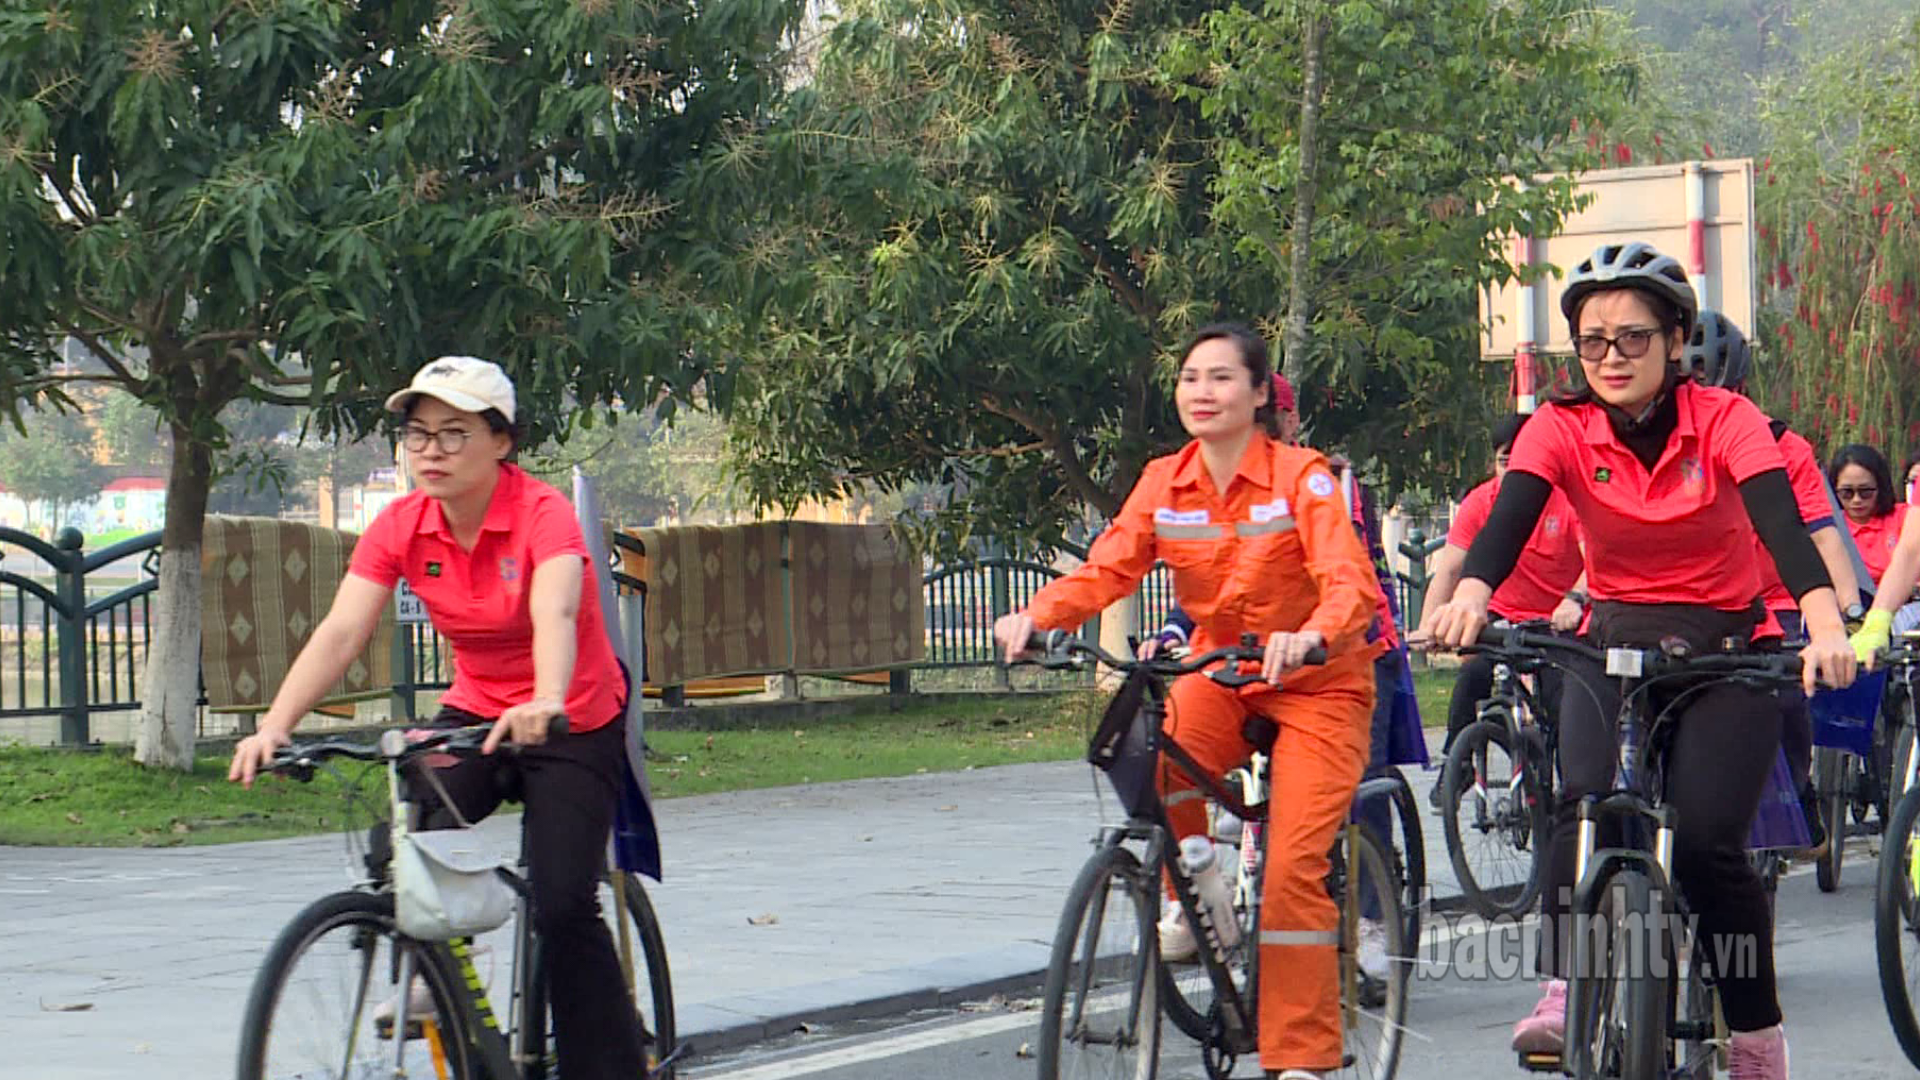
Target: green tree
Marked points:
1002	218
1840	250
49	458
298	202
650	467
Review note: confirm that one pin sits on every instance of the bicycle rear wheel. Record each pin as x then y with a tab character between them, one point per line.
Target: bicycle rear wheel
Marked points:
313	1005
1494	814
1374	1018
644	959
1100	1010
1896	924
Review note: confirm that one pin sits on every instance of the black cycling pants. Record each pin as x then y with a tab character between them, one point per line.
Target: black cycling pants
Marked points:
1717	763
568	786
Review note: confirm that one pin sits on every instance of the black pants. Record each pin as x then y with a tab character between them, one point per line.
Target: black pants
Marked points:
568	787
1723	747
1474	684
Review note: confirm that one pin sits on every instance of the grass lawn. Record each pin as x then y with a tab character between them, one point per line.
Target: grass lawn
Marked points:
105	799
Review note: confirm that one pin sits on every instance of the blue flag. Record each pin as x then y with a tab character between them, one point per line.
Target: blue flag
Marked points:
635	840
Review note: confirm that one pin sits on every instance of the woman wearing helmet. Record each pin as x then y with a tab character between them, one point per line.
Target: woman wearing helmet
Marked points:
1718	355
1661	473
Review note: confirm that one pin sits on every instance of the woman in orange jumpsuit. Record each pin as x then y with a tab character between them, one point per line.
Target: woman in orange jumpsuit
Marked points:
1259	541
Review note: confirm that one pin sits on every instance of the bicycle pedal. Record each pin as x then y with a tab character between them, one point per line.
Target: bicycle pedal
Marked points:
1541	1063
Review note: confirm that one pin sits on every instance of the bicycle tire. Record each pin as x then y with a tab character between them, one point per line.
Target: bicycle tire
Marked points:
369	919
1374	1045
1835	767
656	1012
1409	856
1896	920
1896	779
1461	780
1111	871
1625	991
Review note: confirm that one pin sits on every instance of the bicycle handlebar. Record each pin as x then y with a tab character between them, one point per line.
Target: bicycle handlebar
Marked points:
300	758
1672	657
1062	649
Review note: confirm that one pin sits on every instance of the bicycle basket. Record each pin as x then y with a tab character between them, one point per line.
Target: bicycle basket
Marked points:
1127	750
1843	719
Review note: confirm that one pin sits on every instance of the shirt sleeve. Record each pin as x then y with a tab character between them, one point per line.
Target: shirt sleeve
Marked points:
554	529
376	555
1336	560
1543	447
1809	488
1472	516
1742	442
1115	563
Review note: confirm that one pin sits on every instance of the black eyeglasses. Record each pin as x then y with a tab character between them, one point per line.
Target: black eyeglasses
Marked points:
451	440
1848	494
1633	344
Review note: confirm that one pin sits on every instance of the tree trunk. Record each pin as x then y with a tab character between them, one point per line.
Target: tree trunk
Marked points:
1306	190
170	694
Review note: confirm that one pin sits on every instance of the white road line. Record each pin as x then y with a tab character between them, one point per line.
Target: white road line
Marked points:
892	1046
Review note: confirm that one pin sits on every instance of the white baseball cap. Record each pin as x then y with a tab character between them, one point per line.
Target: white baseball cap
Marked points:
467	383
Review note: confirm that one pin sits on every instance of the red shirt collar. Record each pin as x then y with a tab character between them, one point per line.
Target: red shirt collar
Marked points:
506	495
1255	465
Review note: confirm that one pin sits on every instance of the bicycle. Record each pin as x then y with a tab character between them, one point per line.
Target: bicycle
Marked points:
1631	1013
1896	896
1106	987
343	956
1498	792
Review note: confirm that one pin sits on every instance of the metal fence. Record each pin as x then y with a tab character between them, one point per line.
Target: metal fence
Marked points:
74	627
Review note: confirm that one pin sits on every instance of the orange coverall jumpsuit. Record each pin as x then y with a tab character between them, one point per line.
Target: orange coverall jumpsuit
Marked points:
1276	551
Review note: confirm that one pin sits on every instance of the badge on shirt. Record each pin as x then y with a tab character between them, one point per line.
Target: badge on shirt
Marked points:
1602	474
509	568
1320	484
1167	515
1261	513
433	569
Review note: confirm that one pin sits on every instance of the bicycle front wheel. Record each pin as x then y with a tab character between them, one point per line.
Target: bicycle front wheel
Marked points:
1494	813
1896	923
1100	1011
1833	772
1617	1025
325	1000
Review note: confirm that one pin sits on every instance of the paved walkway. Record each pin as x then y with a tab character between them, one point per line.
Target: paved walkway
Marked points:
889	894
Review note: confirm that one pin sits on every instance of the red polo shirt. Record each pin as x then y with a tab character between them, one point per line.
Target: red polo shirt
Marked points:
1549	565
1877	537
1672	534
1810	494
478	599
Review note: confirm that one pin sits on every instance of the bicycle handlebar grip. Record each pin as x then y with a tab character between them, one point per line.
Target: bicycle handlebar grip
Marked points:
1045	641
1316	655
558	725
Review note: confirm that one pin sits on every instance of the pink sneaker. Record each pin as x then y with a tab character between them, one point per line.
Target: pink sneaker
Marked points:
1758	1055
1544	1031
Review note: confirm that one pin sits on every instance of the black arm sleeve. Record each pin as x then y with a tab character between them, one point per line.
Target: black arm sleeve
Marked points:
1776	517
1509	526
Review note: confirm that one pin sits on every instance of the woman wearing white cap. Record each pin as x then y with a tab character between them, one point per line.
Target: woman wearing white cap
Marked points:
498	560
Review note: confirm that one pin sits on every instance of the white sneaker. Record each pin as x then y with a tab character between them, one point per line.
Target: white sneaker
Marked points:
1177	943
1373	958
420	999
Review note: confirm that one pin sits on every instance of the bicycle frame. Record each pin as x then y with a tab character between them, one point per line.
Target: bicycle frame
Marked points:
1236	1015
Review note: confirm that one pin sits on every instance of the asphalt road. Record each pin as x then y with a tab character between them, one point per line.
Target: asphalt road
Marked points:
1463	1005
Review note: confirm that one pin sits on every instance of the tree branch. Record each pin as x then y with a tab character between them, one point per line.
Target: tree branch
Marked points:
80	213
99	349
1077	476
